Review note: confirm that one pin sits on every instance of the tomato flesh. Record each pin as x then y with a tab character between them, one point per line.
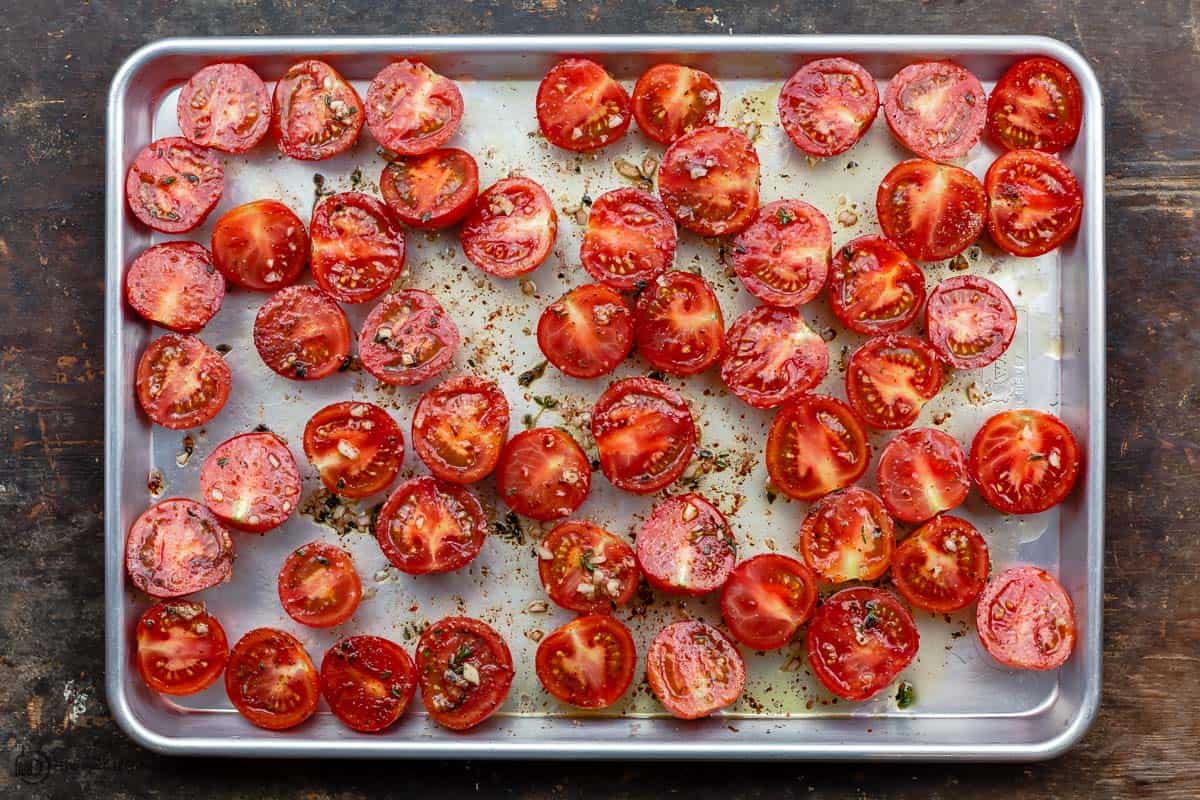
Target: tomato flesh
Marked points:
942	566
1034	202
173	185
543	474
587	332
302	334
181	382
709	181
464	669
580	106
890	378
783	257
1024	461
1026	619
511	229
357	247
630	239
932	211
177	547
686	546
645	434
969	321
318	585
411	109
921	473
848	536
936	109
827	106
1036	104
271	680
251	482
357	448
874	287
694	670
678	324
816	445
224	106
316	114
434	190
459	428
585	568
175	285
181	648
771	356
368	682
766	600
428	526
588	662
670	100
408	338
859	640
261	246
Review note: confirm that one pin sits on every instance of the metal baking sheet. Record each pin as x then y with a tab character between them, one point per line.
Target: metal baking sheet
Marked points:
968	707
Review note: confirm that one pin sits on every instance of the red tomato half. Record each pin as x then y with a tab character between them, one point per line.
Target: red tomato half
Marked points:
771	356
261	246
316	113
181	648
827	106
427	526
411	109
630	239
847	536
1034	202
587	332
585	568
588	662
645	434
932	211
251	482
407	338
709	181
783	257
1026	620
543	474
874	288
1025	461
679	326
173	185
368	682
943	566
177	547
459	428
766	600
694	670
890	378
511	229
357	248
465	670
225	106
686	546
1037	104
670	100
921	473
815	445
936	109
434	190
302	334
357	448
580	106
181	382
271	680
175	285
859	640
318	585
969	321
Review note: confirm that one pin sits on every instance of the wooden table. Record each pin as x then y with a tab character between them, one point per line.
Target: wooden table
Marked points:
53	721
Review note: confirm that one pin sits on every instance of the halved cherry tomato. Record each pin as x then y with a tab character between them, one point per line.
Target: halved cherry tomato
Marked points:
766	600
181	648
815	445
407	338
670	100
1037	103
459	428
586	332
890	378
827	106
936	109
585	568
225	106
874	287
173	185
251	482
357	448
543	474
177	547
368	682
181	382
630	239
847	536
678	324
588	662
932	211
580	106
357	247
261	246
1025	461
859	640
943	566
316	113
709	181
694	670
511	229
175	285
271	680
434	190
1026	619
465	670
686	546
922	472
783	257
969	321
319	586
771	356
645	434
302	334
428	525
411	109
1034	202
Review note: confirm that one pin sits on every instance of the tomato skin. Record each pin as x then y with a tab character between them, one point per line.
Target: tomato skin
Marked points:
694	670
1026	619
847	536
181	382
271	680
645	433
449	647
434	190
408	338
816	445
315	112
856	658
428	526
1034	202
543	474
579	554
177	547
890	378
1024	461
459	428
921	473
771	356
709	181
411	109
261	246
368	682
581	107
766	600
969	321
686	546
630	239
181	648
173	185
944	127
942	566
214	91
357	448
319	586
587	663
932	211
1036	104
357	247
302	334
175	285
874	287
511	228
251	482
670	100
678	324
587	332
827	106
783	257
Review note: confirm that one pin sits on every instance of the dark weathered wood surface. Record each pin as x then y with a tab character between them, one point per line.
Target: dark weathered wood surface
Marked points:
58	58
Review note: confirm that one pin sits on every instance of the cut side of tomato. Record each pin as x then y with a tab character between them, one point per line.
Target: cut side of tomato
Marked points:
815	445
890	378
302	334
543	474
173	185
428	526
936	109
319	586
827	106
316	114
411	109
1035	203
943	566
511	229
783	257
224	106
932	211
1024	461
587	663
766	600
177	547
859	640
357	448
261	246
357	247
181	382
580	106
459	428
678	324
434	190
694	670
709	181
848	536
969	321
670	100
465	671
771	356
645	434
271	680
686	546
407	338
368	682
587	332
874	287
585	568
1026	619
921	473
1036	104
181	648
630	239
251	482
175	285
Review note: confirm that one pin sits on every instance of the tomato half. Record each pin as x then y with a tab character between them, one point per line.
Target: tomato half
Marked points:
434	190
181	648
459	428
890	378
427	526
630	239
1038	104
969	321
587	332
827	106
766	600
301	333
859	640
357	448
316	114
874	287
1025	461
686	546
678	324
771	356
543	474
936	109
319	586
177	547
407	338
922	472
368	682
709	181
173	185
224	106
175	285
783	257
261	246
271	680
464	669
411	109
181	382
1026	619
1034	202
580	106
670	100
943	566
588	662
251	482
932	211
585	568
694	670
847	536
511	229
815	445
357	247
645	434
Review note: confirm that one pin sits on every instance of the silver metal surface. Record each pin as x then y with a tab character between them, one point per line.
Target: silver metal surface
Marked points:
968	707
